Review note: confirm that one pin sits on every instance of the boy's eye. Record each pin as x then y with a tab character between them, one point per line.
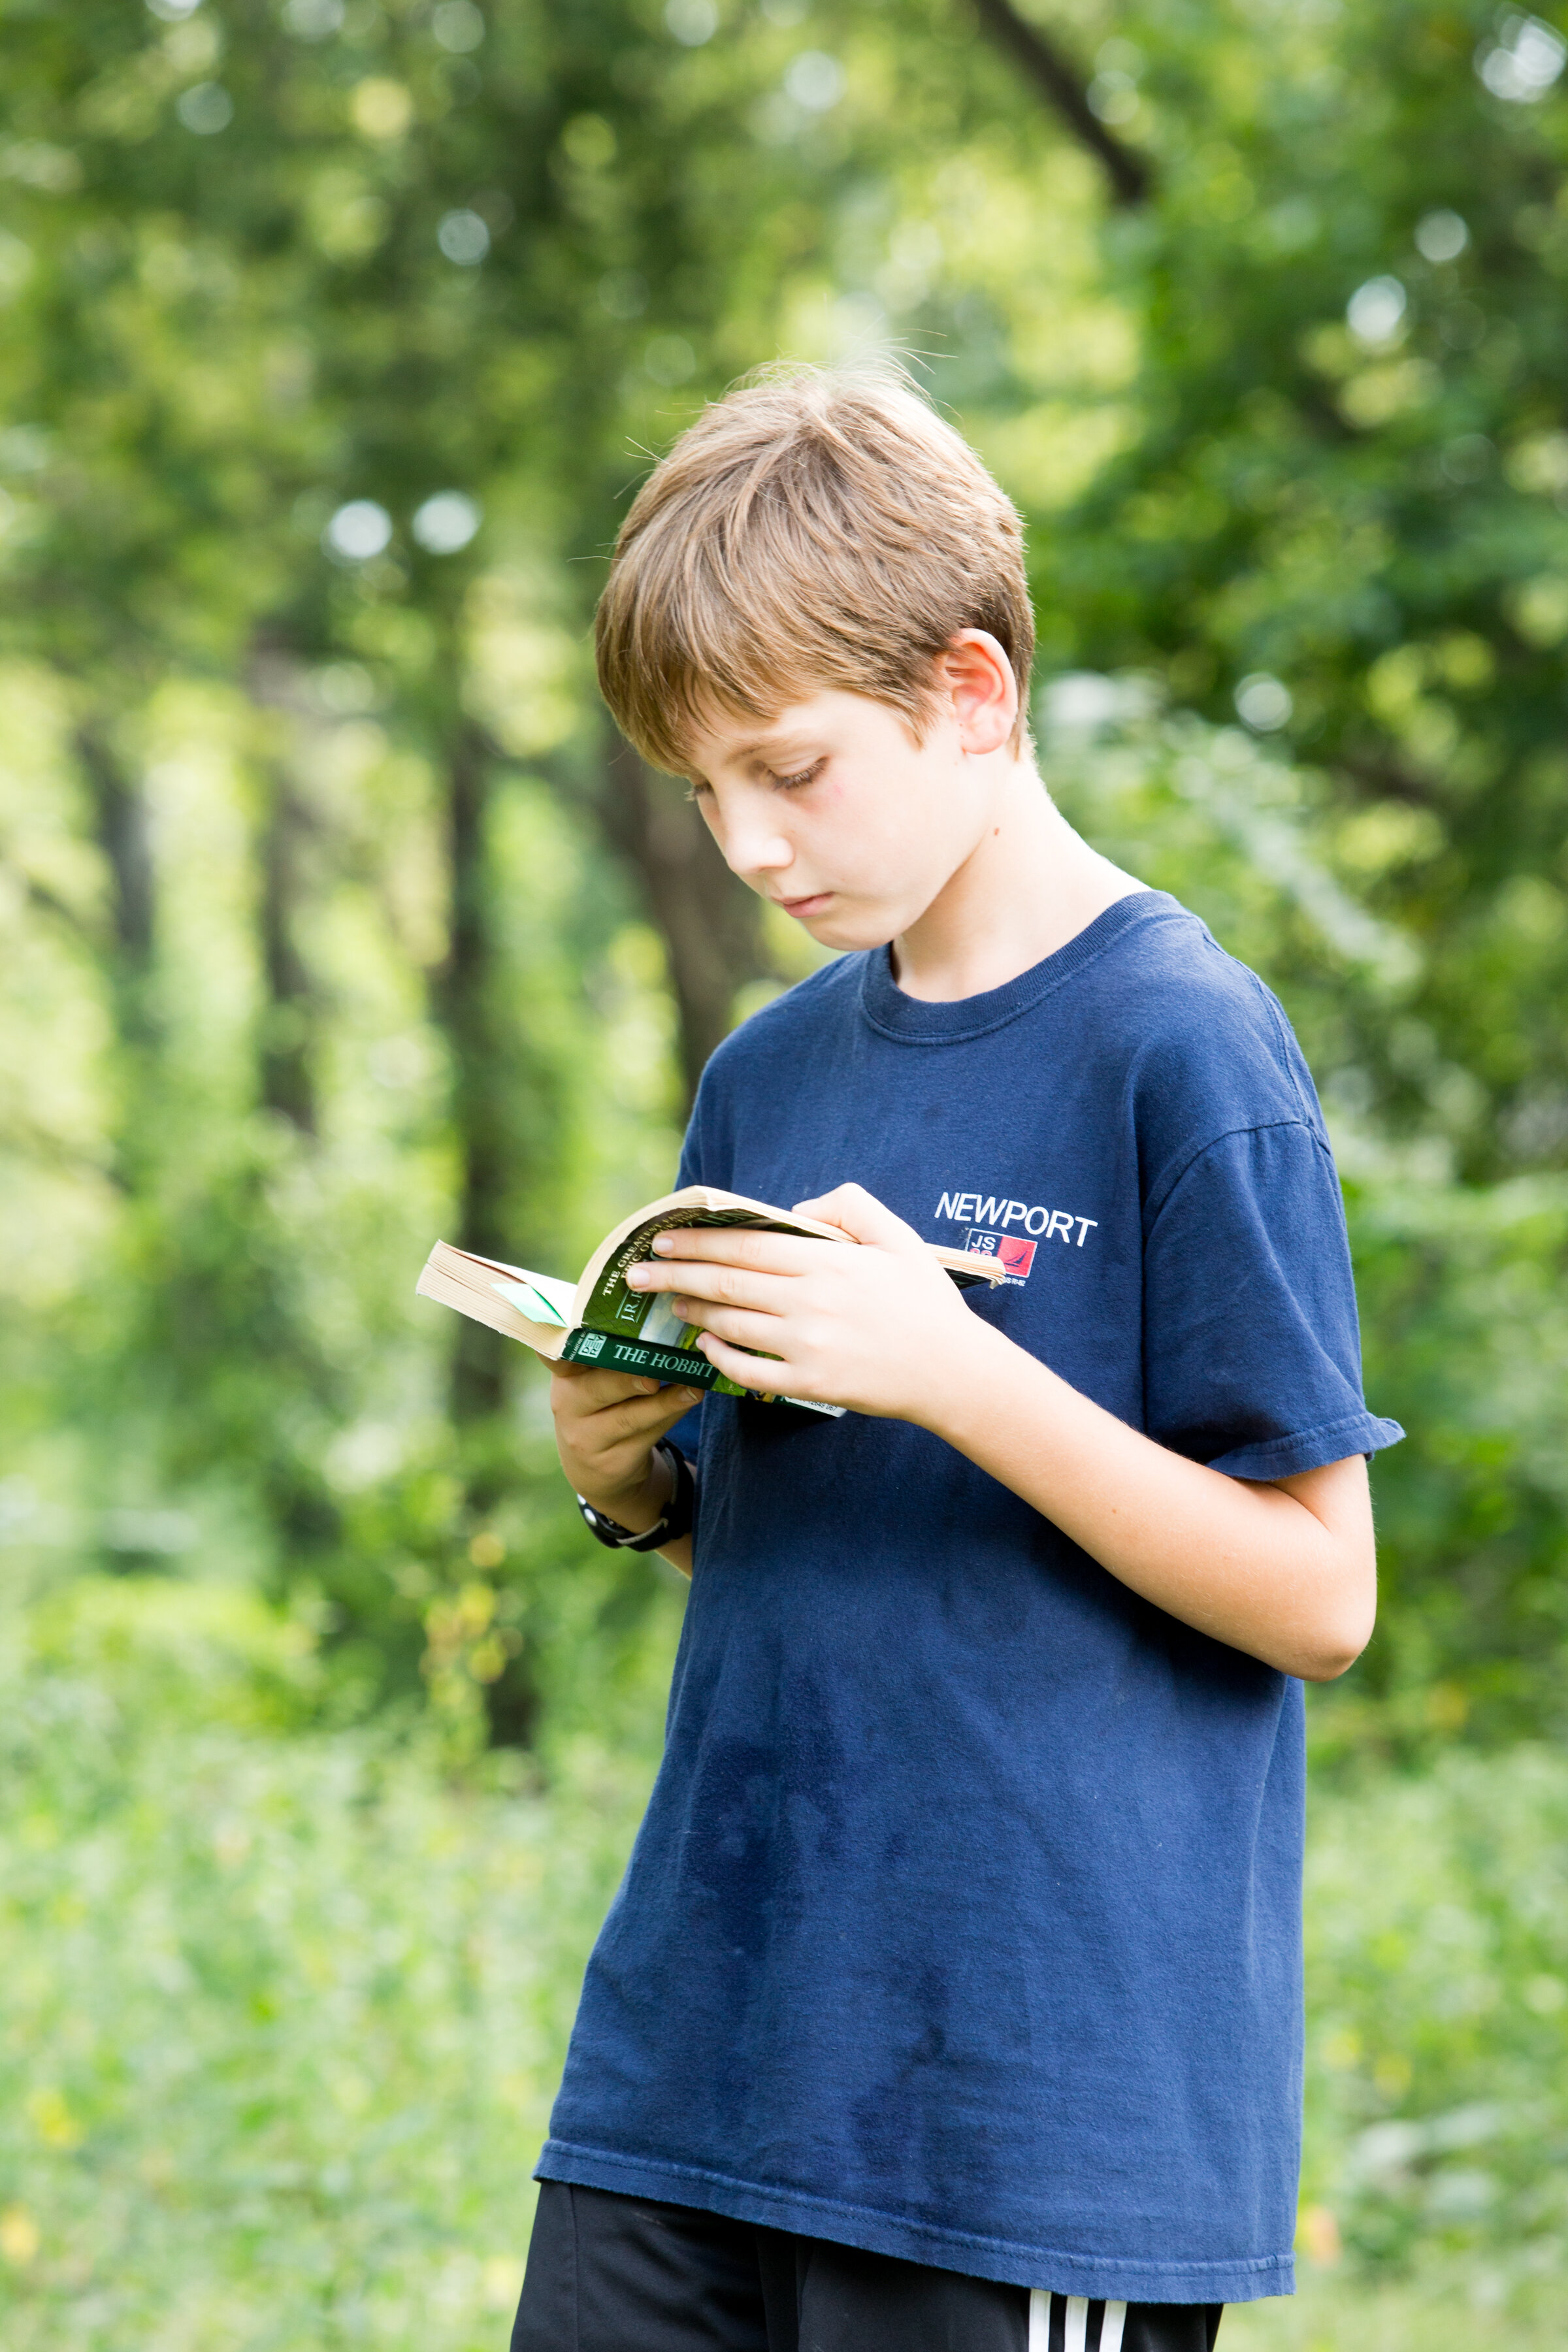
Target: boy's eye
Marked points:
806	775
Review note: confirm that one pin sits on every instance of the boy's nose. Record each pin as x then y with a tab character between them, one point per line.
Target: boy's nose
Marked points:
752	849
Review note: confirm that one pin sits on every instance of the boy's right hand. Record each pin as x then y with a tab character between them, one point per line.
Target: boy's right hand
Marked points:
607	1425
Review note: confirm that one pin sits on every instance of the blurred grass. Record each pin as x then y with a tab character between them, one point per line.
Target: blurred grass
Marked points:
282	2006
1435	2191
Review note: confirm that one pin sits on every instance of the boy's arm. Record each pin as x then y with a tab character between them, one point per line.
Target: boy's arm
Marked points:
607	1426
1284	1571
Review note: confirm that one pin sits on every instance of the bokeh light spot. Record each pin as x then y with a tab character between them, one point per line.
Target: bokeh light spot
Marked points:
205	108
457	26
814	80
19	2238
1441	235
1263	703
381	109
1113	96
313	20
690	22
23	450
344	688
1376	310
447	523
464	238
1082	701
670	360
589	141
1524	61
358	530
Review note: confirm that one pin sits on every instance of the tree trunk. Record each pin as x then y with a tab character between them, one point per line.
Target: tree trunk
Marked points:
710	921
285	1079
288	1083
463	999
121	827
123	833
486	1071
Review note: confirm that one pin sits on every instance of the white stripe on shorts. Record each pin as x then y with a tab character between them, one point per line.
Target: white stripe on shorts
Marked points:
1078	2312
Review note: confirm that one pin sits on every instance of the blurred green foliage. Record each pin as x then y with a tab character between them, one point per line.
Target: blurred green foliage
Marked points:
289	2099
335	335
1341	504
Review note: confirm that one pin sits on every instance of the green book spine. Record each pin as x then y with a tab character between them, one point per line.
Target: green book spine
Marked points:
641	1356
655	1363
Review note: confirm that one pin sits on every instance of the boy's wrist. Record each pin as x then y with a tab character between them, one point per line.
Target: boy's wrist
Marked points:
637	1504
972	1380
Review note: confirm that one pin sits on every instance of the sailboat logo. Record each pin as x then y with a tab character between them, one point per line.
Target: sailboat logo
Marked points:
1012	1252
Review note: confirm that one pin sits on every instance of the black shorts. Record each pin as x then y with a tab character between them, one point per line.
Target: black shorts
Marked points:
609	2274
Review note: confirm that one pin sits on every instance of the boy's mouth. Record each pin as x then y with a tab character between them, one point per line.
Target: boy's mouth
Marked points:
803	909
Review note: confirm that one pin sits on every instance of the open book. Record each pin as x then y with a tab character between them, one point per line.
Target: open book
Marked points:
598	1320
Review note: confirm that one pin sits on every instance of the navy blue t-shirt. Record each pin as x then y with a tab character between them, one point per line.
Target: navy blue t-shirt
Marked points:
965	1921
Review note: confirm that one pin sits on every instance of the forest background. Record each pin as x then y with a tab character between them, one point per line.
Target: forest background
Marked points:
335	335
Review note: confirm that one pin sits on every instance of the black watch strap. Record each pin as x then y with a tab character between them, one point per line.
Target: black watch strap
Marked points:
678	1516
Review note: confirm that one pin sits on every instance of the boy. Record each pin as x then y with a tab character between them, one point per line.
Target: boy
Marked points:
952	1999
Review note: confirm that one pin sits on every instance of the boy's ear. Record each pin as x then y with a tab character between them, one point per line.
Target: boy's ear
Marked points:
977	676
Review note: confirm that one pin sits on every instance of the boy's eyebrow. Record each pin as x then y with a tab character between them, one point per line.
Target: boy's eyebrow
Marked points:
775	742
762	746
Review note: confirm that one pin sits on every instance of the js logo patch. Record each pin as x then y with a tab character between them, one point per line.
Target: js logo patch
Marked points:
1016	1254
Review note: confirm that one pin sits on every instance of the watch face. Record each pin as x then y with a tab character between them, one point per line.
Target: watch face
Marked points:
608	1531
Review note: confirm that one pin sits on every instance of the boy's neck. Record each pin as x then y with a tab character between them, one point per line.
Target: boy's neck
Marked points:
1029	886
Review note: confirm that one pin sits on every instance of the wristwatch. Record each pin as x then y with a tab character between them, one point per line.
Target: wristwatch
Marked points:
676	1519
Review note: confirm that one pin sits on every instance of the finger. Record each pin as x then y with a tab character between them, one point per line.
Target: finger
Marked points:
680	1402
671	1406
770	1374
733	1246
738	1325
644	1406
863	1217
639	1418
727	1286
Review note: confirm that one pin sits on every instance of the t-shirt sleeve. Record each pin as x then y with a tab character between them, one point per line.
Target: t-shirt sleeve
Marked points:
1251	1342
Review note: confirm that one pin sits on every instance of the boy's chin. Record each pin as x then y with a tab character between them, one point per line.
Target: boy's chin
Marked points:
850	931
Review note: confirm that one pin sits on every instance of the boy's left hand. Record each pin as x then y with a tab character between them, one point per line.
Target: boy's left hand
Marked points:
876	1328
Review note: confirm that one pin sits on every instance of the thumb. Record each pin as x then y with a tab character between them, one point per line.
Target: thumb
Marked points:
863	1217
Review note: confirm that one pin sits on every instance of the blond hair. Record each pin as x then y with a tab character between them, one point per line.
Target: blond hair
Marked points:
813	528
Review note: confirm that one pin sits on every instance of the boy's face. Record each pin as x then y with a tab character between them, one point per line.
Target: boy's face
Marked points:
836	813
